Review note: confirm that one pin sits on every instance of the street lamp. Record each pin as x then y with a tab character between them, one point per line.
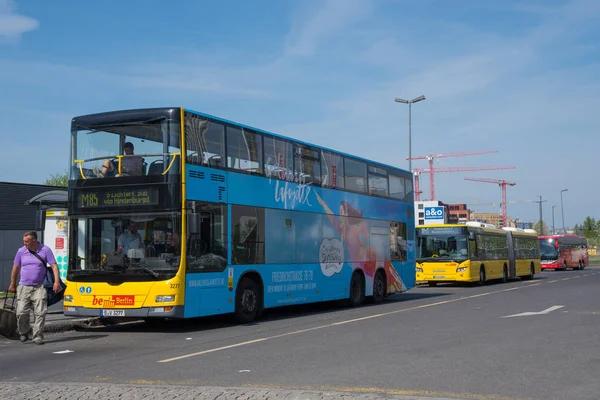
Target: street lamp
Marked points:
409	102
563	211
553	220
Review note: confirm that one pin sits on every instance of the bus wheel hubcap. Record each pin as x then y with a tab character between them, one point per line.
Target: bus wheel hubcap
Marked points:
249	300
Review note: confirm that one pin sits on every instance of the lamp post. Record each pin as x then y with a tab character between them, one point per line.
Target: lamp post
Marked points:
562	211
409	102
553	220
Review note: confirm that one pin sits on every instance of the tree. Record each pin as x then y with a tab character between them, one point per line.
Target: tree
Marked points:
540	231
589	228
58	179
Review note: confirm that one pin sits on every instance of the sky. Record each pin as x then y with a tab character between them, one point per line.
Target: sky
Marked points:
518	77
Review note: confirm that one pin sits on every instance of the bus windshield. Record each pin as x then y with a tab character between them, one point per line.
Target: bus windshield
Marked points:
124	147
548	249
125	248
442	246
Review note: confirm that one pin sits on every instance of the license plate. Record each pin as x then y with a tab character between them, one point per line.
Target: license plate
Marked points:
112	313
438	277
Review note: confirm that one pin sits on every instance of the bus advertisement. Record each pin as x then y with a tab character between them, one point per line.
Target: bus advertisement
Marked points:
564	251
475	252
178	214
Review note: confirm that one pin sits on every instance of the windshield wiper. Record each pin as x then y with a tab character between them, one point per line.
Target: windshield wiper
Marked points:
150	271
94	272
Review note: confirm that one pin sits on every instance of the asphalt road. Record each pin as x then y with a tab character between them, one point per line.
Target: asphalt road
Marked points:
449	341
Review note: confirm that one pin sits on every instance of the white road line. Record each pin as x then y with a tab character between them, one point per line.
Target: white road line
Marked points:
231	346
62	352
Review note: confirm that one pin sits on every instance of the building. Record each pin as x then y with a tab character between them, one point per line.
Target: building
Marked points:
491	218
459	213
16	218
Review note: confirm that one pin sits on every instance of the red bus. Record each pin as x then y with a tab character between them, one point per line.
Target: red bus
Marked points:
563	251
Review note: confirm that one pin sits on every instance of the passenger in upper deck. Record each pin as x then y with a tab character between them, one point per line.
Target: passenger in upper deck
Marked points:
130	165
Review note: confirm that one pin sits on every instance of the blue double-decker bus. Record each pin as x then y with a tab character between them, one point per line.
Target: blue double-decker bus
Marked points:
176	214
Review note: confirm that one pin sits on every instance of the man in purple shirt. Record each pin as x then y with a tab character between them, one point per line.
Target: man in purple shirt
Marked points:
31	290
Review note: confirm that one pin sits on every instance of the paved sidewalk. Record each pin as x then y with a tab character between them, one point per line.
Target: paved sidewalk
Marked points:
62	391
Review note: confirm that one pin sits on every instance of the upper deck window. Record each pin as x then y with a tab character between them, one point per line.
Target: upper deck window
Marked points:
100	145
204	141
356	175
244	150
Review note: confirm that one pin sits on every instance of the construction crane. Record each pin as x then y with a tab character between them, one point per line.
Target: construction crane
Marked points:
418	171
432	157
502	183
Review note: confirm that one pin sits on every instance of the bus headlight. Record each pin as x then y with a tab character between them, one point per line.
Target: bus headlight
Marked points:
68	299
165	299
419	269
461	269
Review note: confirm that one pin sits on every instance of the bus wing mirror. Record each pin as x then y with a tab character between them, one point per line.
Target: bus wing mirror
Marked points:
193	223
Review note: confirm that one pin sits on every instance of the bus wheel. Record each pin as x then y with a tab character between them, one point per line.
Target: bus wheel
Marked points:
482	276
357	290
531	273
247	302
378	288
505	275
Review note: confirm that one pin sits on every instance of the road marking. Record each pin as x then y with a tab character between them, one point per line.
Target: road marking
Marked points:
577	277
62	352
553	281
546	311
264	339
536	284
565	279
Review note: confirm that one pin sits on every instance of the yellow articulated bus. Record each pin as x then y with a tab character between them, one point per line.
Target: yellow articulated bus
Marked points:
475	252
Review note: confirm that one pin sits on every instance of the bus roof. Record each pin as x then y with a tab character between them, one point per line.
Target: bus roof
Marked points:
562	236
295	140
104	118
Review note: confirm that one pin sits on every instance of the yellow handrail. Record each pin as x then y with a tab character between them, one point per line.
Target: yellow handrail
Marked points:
80	162
174	155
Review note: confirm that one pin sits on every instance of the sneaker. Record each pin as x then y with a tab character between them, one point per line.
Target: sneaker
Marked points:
97	172
38	341
25	337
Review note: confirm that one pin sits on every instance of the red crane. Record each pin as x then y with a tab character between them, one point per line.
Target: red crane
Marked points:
418	171
431	158
503	185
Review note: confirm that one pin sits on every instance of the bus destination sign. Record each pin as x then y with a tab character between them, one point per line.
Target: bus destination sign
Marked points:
443	230
118	197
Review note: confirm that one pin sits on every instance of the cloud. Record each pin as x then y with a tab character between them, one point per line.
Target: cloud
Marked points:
13	25
328	22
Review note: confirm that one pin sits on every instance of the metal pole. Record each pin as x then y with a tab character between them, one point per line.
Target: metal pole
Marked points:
541	223
409	138
562	211
553	220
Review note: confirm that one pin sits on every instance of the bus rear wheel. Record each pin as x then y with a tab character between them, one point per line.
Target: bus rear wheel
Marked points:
379	291
247	301
357	290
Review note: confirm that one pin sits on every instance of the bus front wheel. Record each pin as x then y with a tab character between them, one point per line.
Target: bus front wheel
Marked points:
247	301
482	276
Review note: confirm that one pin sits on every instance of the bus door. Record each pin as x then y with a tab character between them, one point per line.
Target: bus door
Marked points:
512	256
